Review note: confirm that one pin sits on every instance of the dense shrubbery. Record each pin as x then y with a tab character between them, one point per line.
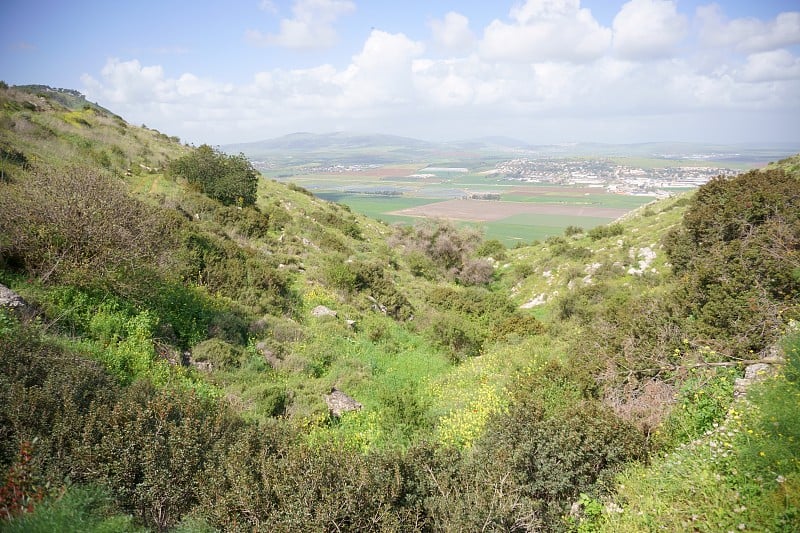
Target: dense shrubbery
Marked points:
737	255
79	226
601	232
369	278
230	179
166	455
439	248
470	316
96	390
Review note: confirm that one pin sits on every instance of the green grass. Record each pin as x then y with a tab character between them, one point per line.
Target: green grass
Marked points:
86	509
376	206
526	228
618	201
743	474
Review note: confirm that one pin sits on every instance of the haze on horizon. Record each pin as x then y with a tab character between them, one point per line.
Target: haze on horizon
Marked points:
543	71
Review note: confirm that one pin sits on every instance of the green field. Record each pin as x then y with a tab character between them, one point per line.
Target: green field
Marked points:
379	193
513	230
376	206
618	201
524	229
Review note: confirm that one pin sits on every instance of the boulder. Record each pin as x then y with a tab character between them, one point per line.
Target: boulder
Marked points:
11	299
339	403
321	311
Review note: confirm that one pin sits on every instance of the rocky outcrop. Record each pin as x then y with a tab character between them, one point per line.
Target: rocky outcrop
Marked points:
11	299
322	311
771	359
339	403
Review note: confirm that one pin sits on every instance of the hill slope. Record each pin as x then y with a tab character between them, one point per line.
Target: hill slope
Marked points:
186	356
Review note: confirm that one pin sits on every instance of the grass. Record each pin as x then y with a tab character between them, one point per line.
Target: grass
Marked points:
526	228
375	206
522	228
620	201
743	474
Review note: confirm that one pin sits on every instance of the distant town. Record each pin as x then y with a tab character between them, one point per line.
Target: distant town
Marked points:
607	174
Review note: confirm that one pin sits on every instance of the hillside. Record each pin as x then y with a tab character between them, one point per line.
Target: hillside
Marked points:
190	332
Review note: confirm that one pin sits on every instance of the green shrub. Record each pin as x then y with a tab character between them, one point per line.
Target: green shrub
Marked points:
571	230
492	248
297	188
229	327
88	509
80	226
736	254
602	232
232	180
556	458
461	338
517	325
217	352
421	265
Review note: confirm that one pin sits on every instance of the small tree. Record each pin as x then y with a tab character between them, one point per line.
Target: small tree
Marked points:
230	179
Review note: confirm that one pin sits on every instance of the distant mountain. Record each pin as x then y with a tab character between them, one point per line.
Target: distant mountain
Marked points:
336	145
383	148
373	147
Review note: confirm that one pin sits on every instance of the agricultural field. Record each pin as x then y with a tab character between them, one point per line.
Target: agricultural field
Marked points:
515	195
516	214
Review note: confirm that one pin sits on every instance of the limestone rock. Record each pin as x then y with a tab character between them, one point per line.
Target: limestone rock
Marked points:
11	299
321	311
339	402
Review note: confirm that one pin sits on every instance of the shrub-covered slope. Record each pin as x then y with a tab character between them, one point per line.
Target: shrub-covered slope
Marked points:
187	323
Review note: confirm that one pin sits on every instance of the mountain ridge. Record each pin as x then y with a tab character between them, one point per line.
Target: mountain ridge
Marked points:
340	144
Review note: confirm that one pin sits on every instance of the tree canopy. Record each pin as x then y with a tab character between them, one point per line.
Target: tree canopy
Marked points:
230	179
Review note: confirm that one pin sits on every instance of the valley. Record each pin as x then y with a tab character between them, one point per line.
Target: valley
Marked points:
543	189
199	341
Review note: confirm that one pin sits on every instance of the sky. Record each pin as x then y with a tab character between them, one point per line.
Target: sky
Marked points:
543	71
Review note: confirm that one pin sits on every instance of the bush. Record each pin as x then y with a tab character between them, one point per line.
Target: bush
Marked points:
602	232
229	179
492	248
571	230
79	226
736	255
461	338
448	247
217	352
475	272
556	458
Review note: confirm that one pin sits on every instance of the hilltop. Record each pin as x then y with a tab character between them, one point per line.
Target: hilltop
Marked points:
376	147
189	333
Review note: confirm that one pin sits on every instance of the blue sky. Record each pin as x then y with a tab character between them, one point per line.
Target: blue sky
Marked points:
545	71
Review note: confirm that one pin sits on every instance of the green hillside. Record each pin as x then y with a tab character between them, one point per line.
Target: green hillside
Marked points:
191	331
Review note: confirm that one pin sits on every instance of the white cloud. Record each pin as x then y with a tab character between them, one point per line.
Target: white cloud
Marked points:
531	89
452	33
128	82
546	30
310	27
381	73
748	34
268	6
648	29
770	66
